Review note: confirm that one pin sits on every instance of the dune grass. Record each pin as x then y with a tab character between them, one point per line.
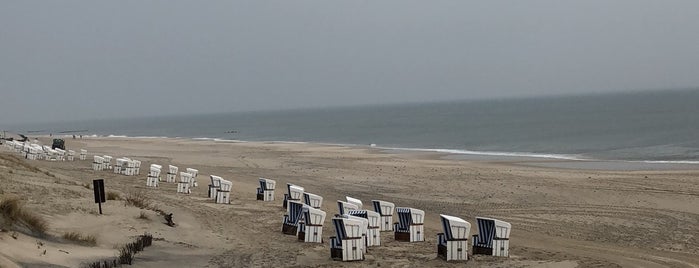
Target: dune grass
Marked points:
139	199
113	195
88	240
15	215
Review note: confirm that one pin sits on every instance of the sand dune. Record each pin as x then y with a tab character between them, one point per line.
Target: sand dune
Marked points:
560	218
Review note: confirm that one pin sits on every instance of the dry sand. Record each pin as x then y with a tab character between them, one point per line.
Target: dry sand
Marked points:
560	217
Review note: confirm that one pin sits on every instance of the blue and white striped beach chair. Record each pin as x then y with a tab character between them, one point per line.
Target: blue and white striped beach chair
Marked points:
385	209
343	207
266	190
310	228
294	193
453	242
290	222
312	200
346	245
493	237
373	234
409	227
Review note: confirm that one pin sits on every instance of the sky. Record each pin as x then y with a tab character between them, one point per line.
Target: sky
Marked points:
71	60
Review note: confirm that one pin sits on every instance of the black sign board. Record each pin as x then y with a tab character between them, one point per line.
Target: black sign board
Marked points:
98	187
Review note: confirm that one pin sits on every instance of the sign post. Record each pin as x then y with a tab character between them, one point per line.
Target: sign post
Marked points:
98	187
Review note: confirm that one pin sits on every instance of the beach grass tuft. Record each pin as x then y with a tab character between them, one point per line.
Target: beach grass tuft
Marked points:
14	214
88	240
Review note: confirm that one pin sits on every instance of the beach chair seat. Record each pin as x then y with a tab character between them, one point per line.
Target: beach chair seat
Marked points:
294	193
193	180
354	201
373	233
71	155
385	209
343	207
137	166
290	222
347	243
266	190
172	173
452	244
223	195
312	200
409	227
119	165
185	181
153	176
493	237
60	154
214	186
310	228
83	154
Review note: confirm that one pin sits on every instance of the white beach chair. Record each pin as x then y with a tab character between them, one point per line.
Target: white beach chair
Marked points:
214	186
294	193
194	173
343	207
385	209
107	163
83	154
493	237
354	201
452	244
312	200
97	163
185	181
120	165
266	190
130	167
71	155
347	244
172	173
290	222
153	176
311	229
60	154
373	234
137	167
409	227
223	195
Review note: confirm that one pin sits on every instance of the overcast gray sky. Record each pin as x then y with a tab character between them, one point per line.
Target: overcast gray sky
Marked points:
100	59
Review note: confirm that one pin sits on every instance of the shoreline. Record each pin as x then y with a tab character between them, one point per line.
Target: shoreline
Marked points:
525	159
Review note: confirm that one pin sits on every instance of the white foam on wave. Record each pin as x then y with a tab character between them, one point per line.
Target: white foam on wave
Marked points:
490	153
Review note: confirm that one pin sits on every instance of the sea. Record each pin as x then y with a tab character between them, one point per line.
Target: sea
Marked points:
650	126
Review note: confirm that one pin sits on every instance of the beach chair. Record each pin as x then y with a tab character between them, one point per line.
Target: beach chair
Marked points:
172	173
153	176
409	227
493	237
107	163
185	181
385	209
60	154
347	244
193	181
343	207
128	167
97	163
373	234
294	193
119	165
312	200
71	155
290	221
214	186
83	154
137	167
452	244
355	201
266	190
223	195
310	230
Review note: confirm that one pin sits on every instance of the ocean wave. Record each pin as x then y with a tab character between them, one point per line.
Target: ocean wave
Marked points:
489	153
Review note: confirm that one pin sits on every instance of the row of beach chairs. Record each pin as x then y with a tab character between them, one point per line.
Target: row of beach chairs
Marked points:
356	228
33	151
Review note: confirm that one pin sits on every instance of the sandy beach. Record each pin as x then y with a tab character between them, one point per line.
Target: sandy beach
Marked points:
561	217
